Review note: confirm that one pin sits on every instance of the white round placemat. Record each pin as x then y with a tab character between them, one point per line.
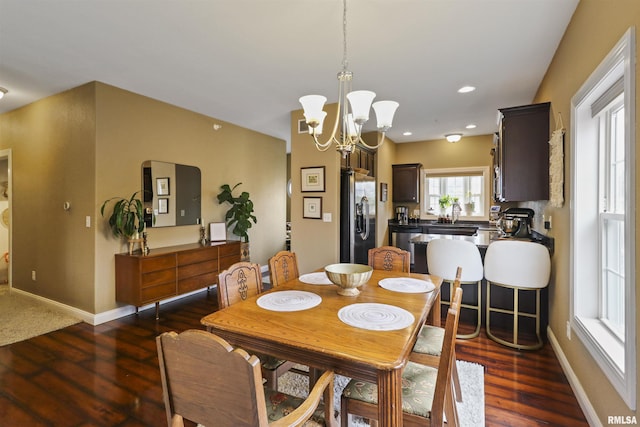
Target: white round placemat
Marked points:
317	278
289	300
376	317
407	285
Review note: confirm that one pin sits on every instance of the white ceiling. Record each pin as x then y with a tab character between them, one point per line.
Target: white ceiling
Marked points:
248	61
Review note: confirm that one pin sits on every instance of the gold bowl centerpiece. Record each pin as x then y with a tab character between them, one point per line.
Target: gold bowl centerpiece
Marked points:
348	277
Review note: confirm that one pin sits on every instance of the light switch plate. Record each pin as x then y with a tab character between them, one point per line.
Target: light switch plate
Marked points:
326	217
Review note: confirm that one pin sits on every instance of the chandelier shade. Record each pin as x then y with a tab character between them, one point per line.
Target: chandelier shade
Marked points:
352	113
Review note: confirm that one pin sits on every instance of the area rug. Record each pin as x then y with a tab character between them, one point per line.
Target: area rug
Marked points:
470	410
22	317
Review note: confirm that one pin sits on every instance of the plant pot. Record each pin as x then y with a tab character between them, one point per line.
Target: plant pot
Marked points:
244	252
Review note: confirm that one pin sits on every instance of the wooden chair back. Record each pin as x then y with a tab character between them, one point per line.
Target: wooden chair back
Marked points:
444	398
239	282
390	258
207	381
283	267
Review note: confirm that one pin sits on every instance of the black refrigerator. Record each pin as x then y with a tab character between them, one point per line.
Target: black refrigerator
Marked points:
357	216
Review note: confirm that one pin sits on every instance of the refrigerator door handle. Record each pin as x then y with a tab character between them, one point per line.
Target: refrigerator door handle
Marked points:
364	202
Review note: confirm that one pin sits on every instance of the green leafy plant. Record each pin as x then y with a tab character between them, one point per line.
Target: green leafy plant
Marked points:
127	216
240	215
445	201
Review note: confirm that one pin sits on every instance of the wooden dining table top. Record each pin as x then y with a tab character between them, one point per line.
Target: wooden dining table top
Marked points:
318	338
319	329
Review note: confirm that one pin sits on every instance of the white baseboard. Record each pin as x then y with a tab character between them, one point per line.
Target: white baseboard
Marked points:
583	400
105	316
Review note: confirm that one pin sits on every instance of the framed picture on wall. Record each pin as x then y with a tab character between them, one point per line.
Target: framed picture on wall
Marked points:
162	186
312	207
312	179
163	206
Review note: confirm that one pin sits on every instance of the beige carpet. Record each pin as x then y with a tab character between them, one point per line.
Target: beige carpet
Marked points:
22	317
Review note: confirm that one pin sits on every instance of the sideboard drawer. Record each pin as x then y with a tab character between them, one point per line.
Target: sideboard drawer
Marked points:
187	271
157	292
157	263
192	257
229	249
157	277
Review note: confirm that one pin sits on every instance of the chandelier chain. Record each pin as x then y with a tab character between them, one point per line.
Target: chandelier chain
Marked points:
345	63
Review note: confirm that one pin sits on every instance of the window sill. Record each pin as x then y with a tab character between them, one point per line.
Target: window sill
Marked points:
601	340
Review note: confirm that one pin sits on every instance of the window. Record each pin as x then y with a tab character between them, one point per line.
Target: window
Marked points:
469	185
602	217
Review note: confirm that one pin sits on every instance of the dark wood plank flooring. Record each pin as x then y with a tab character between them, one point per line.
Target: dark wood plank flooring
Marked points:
108	375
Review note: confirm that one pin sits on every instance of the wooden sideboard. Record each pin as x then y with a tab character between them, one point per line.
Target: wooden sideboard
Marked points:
171	271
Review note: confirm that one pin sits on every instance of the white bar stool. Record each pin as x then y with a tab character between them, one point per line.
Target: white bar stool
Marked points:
521	266
444	256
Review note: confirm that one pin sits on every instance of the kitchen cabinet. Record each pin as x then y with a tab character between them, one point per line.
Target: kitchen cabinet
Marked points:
521	154
406	183
171	271
361	158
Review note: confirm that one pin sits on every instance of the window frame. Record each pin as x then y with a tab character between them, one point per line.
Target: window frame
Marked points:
471	170
615	357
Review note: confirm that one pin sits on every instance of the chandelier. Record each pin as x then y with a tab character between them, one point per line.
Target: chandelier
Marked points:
350	119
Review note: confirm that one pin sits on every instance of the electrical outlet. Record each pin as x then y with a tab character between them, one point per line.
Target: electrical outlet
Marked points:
568	330
33	275
547	222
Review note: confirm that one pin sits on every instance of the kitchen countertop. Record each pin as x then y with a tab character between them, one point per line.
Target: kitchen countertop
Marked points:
483	238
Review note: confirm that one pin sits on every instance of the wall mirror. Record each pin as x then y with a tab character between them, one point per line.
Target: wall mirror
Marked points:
171	194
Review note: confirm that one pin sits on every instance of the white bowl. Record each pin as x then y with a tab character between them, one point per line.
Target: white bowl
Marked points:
348	277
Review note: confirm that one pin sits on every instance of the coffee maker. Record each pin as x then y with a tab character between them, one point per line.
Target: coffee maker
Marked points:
402	215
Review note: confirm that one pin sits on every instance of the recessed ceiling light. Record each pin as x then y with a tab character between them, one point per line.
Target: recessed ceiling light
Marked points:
407	133
471	126
3	91
466	89
453	137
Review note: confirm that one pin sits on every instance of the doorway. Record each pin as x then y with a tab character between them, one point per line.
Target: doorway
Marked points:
5	217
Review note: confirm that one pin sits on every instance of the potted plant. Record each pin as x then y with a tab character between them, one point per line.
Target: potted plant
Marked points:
444	202
127	217
239	215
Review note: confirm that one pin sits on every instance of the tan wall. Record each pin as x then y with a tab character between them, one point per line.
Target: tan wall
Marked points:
53	159
315	242
87	145
594	30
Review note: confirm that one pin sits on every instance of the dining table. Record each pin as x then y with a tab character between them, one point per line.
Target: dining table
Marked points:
367	337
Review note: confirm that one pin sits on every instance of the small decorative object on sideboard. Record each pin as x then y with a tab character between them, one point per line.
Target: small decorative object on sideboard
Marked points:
239	216
203	235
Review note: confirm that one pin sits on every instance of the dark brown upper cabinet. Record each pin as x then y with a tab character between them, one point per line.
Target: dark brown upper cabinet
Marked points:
406	183
521	154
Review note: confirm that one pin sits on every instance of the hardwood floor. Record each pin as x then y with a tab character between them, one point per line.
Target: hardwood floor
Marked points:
108	375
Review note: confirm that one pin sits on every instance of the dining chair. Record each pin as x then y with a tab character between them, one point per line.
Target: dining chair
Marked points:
283	266
428	347
209	382
427	395
520	266
390	258
239	282
444	256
